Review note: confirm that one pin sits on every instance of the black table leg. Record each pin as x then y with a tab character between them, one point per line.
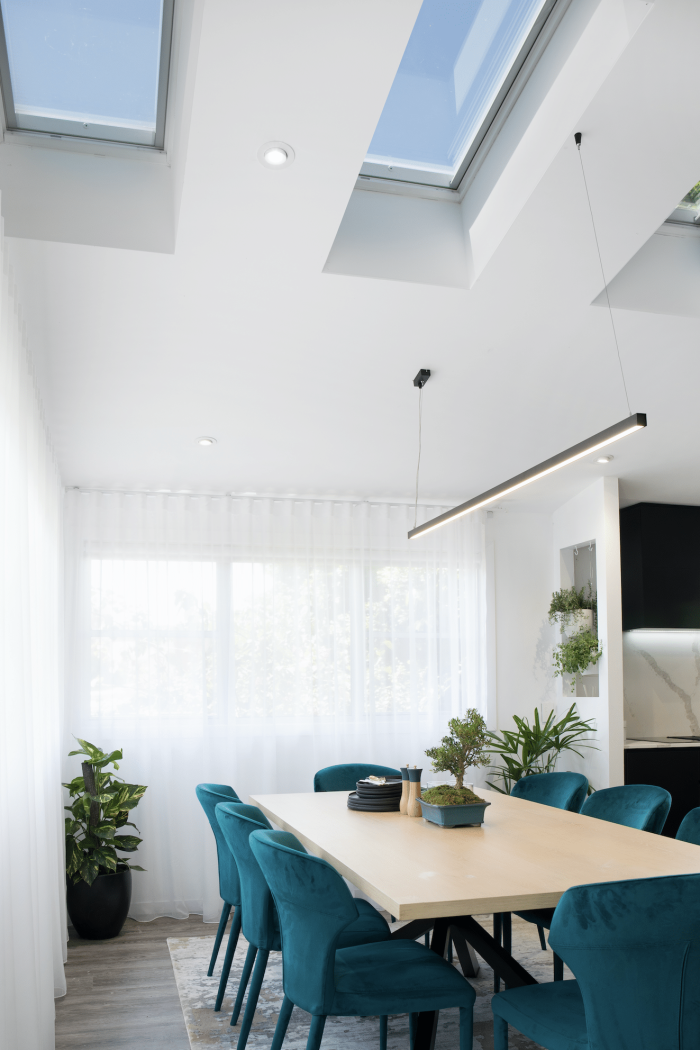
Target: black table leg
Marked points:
498	939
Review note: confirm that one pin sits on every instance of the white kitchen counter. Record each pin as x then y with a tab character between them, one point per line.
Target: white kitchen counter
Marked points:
661	743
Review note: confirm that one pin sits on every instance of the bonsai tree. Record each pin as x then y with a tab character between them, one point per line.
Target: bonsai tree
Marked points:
103	803
462	748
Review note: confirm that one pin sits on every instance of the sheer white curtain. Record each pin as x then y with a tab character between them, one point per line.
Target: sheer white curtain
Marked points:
251	642
32	893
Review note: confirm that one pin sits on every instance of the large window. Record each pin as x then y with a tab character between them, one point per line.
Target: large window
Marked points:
253	639
95	69
461	61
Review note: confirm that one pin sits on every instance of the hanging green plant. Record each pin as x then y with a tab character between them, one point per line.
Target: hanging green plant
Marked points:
574	654
103	804
569	600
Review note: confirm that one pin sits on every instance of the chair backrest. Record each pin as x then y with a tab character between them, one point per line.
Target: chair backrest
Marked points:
259	915
608	934
642	806
209	796
314	907
560	790
689	831
344	777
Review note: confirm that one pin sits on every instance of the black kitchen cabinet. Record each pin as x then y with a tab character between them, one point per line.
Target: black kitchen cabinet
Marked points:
675	768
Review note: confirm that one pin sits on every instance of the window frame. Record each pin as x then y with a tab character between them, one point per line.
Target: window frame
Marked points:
404	180
76	132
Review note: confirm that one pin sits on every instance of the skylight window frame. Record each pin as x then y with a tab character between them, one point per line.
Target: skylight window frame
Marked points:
164	64
399	179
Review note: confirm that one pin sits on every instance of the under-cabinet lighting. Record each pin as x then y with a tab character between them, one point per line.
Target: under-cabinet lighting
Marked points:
636	421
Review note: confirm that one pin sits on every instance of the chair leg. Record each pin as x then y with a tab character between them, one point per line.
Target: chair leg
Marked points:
500	1033
225	912
543	943
558	968
245	977
316	1032
230	950
426	940
466	1027
383	1031
449	950
282	1023
253	996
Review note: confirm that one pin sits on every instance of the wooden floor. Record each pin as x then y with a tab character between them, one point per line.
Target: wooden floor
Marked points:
122	993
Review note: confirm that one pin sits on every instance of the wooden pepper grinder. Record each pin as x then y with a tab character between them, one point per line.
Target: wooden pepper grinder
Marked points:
413	809
404	789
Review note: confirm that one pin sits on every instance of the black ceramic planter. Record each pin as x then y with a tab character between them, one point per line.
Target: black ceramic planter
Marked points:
99	911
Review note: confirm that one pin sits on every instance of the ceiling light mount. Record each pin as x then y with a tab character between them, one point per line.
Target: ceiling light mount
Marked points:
205	441
422	378
276	154
636	421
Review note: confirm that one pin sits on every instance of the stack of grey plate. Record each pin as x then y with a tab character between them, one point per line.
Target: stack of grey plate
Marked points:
376	798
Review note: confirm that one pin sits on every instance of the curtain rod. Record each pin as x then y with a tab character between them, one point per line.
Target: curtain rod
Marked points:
387	502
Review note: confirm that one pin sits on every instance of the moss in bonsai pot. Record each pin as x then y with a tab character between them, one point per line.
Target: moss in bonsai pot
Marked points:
447	795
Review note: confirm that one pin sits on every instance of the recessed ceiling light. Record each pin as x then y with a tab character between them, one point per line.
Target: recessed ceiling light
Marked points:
206	441
605	459
276	154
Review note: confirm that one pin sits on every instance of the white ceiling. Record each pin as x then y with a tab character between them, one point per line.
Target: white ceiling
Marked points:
304	378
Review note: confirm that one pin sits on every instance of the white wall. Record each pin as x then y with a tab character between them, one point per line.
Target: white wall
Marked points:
525	567
594	515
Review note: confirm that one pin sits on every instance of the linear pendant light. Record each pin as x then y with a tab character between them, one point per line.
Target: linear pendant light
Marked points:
636	421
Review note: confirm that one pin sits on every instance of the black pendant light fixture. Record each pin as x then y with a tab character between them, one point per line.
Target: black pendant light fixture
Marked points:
634	421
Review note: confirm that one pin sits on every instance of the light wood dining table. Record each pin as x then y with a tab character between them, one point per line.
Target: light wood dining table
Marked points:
524	856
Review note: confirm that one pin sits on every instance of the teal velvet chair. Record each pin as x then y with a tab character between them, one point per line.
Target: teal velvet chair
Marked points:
344	777
387	977
260	921
634	947
229	886
642	806
689	831
560	790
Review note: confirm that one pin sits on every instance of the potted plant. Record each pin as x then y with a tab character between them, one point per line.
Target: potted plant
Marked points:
452	806
573	610
535	748
98	880
576	654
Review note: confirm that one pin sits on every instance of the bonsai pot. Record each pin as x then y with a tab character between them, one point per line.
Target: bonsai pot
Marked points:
454	816
99	911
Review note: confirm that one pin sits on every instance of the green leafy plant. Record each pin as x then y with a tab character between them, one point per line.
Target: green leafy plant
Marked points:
574	654
447	795
535	748
102	805
464	746
570	600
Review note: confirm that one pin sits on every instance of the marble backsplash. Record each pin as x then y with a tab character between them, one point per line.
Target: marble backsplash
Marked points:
662	682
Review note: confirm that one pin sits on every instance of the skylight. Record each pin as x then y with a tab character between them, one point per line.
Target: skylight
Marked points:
689	208
461	60
86	68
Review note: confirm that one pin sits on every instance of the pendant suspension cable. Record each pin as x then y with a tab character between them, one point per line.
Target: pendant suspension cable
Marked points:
577	140
420	415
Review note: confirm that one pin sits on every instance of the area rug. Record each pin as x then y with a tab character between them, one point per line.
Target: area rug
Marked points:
206	1029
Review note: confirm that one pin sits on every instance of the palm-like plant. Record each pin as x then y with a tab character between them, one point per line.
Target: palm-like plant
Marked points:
535	748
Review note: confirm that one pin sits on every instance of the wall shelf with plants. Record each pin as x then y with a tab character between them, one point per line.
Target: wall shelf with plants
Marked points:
575	611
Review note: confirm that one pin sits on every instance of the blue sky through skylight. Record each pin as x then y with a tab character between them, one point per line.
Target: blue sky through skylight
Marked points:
86	60
456	62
